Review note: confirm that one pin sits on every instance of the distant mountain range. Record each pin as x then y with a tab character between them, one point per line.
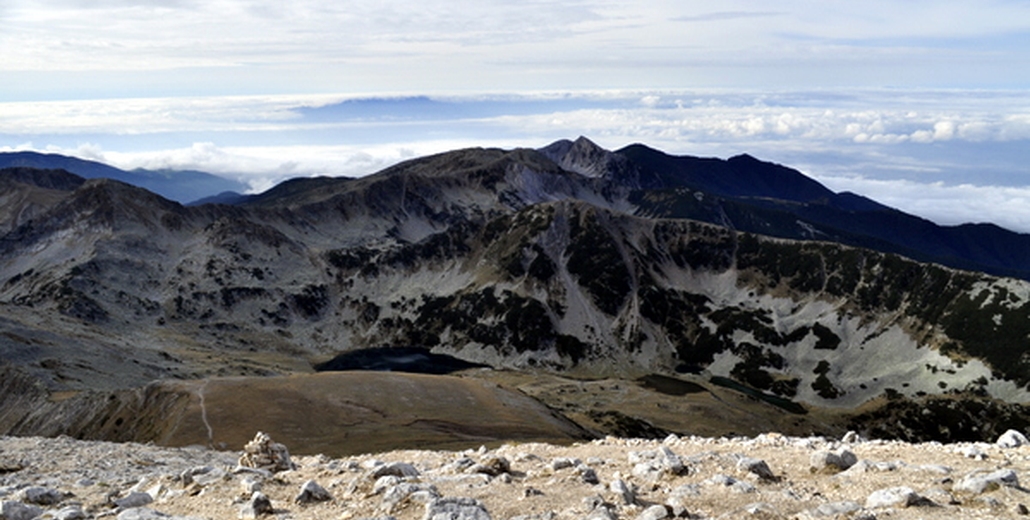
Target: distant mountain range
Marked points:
183	186
570	259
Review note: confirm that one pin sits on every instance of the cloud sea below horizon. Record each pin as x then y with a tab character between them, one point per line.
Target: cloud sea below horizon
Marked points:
924	106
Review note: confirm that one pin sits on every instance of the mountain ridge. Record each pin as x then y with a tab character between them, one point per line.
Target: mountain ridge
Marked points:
508	259
183	186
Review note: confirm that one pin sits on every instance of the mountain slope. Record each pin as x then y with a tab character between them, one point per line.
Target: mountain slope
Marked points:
182	186
518	259
751	195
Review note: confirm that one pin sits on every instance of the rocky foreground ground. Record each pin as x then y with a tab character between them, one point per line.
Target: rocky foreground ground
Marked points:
766	477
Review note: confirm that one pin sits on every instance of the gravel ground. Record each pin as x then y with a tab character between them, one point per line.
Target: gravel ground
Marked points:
768	476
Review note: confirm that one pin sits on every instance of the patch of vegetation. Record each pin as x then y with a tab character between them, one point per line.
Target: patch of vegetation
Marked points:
311	301
799	265
231	295
449	244
942	418
618	424
822	384
670	385
827	340
779	402
349	259
596	261
750	370
507	322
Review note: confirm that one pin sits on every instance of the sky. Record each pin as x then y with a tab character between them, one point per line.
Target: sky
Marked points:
921	105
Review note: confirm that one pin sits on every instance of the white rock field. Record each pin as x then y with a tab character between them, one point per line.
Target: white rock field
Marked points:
767	477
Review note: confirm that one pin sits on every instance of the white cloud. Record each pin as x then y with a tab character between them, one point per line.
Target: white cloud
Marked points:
956	138
945	204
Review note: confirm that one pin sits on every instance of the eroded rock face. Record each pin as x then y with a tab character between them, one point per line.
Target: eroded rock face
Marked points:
264	453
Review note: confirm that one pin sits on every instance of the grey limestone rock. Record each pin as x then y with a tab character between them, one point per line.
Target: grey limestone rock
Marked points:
397	469
312	492
258	505
70	513
134	499
827	460
561	463
42	496
900	496
624	490
655	512
835	509
456	508
1012	439
418	492
492	466
15	510
756	467
979	482
588	474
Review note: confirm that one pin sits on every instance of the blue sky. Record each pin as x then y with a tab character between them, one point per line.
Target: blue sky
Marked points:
922	105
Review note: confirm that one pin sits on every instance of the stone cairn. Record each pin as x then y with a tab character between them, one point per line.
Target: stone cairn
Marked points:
264	453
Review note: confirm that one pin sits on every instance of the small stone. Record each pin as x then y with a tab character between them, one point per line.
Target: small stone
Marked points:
1021	509
250	484
973	452
836	509
762	510
397	469
13	510
134	499
454	508
672	462
588	475
627	493
1012	439
311	492
756	467
532	492
70	513
408	491
979	482
890	497
852	437
826	460
655	512
561	463
258	505
42	496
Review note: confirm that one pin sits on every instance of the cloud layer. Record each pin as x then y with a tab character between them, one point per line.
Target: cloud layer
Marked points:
949	155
